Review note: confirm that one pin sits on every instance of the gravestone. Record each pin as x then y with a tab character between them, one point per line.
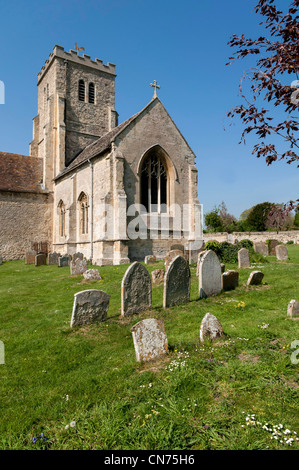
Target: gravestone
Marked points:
210	328
30	257
89	306
272	245
261	247
171	255
64	261
92	275
222	268
243	258
255	278
199	258
281	252
40	259
293	309
53	258
150	259
79	266
76	256
1	260
158	275
209	275
136	290
150	340
177	282
229	280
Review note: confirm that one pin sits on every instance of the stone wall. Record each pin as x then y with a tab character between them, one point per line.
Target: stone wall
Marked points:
283	237
24	218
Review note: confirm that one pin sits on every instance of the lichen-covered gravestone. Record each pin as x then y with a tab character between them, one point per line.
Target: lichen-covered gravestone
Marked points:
255	278
92	275
79	266
90	306
64	261
209	276
150	340
293	309
199	258
53	258
229	280
210	328
30	257
281	252
150	259
272	245
1	260
136	290
243	258
77	255
158	275
261	247
171	255
40	259
177	283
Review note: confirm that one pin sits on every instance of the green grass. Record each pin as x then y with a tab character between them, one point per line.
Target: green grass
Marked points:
196	397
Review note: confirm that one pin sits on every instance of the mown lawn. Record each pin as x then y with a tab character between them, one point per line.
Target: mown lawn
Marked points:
196	397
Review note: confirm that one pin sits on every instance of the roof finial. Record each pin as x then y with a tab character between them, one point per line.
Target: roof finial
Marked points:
155	86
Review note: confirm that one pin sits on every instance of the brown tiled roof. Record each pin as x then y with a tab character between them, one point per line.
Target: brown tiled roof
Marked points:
20	173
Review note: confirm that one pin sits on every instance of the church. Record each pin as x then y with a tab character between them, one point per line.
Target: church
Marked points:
115	192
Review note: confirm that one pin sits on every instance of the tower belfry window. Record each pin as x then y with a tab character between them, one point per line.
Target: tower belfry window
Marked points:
91	93
81	90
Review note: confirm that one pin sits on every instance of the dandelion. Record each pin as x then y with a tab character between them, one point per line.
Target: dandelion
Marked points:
73	424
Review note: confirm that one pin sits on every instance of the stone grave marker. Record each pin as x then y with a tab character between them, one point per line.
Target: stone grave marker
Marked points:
255	278
150	259
40	259
1	260
64	261
210	328
89	306
293	309
79	266
229	280
177	282
261	247
199	258
209	276
222	268
281	252
243	258
150	340
158	275
136	290
92	275
77	255
171	255
272	244
53	258
30	257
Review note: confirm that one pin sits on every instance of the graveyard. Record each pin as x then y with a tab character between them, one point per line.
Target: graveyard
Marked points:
68	385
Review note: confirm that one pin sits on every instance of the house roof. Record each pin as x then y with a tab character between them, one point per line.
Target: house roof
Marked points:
20	173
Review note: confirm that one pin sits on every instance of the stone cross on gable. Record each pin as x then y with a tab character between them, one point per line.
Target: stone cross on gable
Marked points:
155	86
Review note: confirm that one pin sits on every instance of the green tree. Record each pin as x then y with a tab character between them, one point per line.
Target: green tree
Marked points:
213	221
256	220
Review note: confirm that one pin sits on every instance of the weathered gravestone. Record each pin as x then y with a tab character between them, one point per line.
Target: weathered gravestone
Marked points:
222	268
293	309
30	257
209	275
150	340
210	328
64	261
1	260
150	259
243	258
281	252
136	290
76	256
171	255
40	259
199	258
229	280
261	247
255	278
90	306
79	266
177	282
53	258
92	275
272	245
158	275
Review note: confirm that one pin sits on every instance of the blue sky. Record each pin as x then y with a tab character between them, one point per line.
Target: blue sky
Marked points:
182	45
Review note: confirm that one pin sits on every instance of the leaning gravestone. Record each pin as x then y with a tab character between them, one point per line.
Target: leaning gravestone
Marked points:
261	247
90	306
229	280
243	258
150	259
77	256
177	282
209	275
210	328
40	259
79	266
255	278
64	261
53	258
92	275
293	309
136	290
30	257
150	340
281	252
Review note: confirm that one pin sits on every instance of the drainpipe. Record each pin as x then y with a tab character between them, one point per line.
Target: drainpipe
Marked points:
91	210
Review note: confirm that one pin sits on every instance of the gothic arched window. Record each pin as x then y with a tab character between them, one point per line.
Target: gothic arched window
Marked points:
61	218
83	211
91	93
81	90
154	183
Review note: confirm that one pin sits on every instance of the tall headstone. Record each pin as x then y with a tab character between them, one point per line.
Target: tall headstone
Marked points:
177	282
281	252
77	256
243	258
79	266
261	247
199	258
293	309
150	340
255	278
209	276
64	261
30	257
89	306
229	280
40	259
136	290
210	328
53	258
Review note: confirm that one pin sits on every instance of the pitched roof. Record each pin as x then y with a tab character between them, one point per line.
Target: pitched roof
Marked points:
20	173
